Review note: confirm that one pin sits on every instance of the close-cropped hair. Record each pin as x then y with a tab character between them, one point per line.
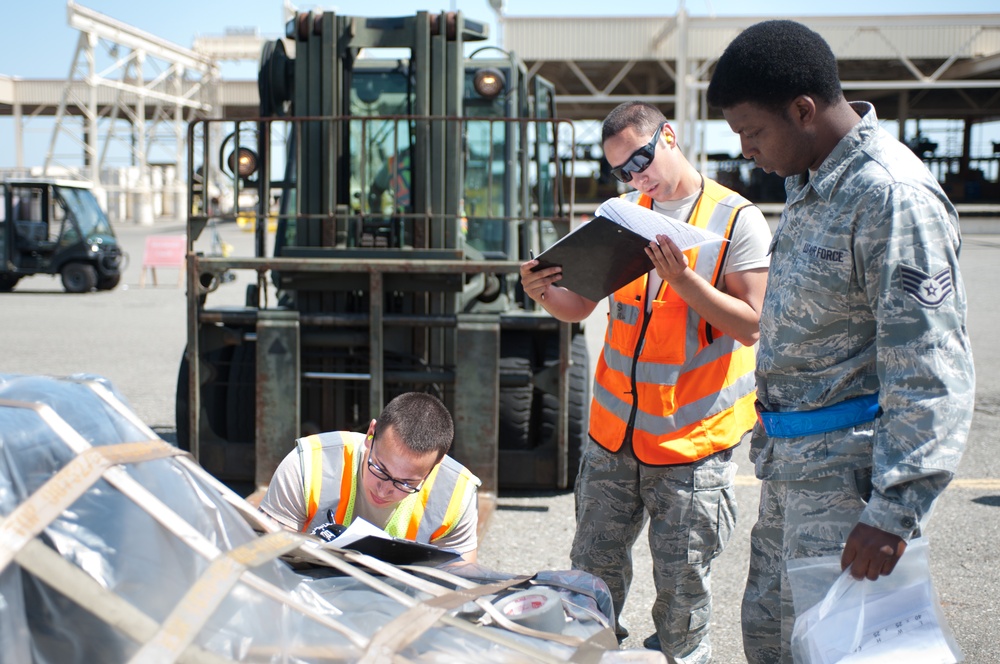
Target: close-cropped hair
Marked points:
643	118
773	62
420	421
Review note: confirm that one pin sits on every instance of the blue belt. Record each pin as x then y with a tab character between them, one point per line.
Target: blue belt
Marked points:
792	424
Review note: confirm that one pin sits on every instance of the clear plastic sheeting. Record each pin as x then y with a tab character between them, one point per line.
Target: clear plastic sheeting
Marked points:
117	547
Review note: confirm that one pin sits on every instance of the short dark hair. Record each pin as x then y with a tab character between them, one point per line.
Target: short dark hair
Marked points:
420	421
773	62
642	117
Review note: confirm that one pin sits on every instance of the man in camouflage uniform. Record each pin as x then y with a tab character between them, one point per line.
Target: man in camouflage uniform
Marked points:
673	389
865	378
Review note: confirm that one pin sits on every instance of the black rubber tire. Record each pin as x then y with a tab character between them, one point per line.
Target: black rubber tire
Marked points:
241	404
108	282
79	277
7	282
578	407
515	401
214	394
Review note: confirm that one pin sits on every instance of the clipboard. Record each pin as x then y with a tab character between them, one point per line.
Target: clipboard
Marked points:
398	551
598	258
609	251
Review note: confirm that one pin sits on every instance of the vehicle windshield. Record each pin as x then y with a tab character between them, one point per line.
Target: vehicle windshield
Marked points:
83	207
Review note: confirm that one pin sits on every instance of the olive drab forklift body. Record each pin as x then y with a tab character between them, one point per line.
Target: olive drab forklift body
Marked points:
394	199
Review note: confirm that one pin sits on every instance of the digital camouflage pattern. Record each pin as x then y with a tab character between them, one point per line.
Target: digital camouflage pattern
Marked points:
865	295
692	514
797	519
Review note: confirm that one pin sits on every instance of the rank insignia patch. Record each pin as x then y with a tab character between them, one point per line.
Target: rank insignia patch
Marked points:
930	291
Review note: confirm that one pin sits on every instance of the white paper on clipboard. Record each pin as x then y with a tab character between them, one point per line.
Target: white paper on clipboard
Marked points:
649	223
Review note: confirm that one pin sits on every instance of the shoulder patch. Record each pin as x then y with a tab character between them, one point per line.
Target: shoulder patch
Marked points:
929	291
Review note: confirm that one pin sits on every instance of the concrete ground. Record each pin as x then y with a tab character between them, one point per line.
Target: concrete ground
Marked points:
135	337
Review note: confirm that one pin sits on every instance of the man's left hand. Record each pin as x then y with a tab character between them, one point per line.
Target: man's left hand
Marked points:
669	261
871	552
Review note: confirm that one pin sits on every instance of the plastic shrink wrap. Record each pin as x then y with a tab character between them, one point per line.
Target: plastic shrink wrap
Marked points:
115	546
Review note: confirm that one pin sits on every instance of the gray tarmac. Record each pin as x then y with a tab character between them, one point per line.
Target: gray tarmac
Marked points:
135	337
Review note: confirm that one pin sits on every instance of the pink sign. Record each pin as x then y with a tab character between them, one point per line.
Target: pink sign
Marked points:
164	251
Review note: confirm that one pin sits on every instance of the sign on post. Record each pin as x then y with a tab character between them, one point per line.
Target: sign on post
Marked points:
163	251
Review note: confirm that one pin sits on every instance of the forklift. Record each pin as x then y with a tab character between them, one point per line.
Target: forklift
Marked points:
406	181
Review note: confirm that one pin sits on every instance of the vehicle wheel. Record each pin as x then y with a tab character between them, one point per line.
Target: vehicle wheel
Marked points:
7	282
515	400
578	407
213	396
108	282
79	278
241	404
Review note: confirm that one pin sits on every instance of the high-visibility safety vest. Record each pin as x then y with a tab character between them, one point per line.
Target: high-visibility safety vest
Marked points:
680	389
330	464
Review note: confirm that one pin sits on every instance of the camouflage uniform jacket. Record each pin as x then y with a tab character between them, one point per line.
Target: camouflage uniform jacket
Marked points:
864	295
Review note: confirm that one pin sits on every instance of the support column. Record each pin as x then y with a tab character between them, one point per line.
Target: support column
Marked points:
144	206
903	114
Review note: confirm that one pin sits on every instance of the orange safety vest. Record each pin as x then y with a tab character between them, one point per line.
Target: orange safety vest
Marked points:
679	389
330	463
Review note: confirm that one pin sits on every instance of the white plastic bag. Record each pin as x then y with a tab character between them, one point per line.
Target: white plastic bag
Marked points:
895	618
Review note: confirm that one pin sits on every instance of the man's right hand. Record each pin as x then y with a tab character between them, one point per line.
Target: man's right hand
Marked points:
871	552
537	282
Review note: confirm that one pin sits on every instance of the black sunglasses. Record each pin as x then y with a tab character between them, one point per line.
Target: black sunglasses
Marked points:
640	159
377	471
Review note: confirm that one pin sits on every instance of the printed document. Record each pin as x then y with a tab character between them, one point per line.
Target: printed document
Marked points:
649	223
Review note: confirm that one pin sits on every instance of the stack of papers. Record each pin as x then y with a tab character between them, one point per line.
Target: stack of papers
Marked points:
609	251
364	537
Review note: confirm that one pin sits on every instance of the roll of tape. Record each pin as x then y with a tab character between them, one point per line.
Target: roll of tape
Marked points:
538	608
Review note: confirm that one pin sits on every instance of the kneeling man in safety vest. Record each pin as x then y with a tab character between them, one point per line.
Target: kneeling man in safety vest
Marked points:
396	476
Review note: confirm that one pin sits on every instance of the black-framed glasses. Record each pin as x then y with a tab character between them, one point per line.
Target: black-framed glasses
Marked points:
639	160
380	474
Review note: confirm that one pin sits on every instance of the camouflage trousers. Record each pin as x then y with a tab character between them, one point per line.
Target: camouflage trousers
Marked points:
797	519
692	513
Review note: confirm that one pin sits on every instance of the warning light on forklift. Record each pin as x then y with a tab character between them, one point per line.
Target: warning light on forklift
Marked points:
245	164
489	83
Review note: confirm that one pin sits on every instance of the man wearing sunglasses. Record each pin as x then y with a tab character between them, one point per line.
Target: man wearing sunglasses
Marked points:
674	386
396	476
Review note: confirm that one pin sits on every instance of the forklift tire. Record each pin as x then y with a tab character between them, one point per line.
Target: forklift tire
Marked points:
79	278
7	282
578	408
514	425
108	282
214	393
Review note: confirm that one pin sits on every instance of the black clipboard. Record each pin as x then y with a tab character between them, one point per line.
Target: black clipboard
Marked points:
398	551
597	258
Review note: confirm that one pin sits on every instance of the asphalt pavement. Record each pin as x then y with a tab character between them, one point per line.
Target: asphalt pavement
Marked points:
135	337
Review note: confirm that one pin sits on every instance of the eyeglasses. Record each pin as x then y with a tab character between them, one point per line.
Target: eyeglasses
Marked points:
380	474
639	160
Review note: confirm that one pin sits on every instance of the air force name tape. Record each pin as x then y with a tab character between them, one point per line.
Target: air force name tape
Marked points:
929	291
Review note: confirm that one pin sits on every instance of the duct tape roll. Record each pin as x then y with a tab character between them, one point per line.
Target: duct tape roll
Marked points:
538	608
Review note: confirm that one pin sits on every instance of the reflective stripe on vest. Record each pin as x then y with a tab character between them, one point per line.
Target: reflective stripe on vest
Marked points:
422	518
694	387
330	482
